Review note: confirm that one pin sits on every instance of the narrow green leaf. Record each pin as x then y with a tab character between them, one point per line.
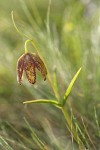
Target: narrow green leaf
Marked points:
54	102
4	144
35	137
70	86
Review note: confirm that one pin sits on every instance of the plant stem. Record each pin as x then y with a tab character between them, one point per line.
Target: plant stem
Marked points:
64	110
26	42
72	128
22	34
49	76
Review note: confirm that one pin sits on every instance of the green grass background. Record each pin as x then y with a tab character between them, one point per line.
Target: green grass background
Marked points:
68	40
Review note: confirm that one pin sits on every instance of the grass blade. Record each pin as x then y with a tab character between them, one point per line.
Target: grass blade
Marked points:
4	144
35	137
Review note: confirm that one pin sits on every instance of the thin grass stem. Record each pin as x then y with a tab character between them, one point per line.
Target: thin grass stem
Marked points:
72	128
35	137
96	119
88	134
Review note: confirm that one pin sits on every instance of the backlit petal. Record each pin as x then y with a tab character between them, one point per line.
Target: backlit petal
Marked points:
28	62
40	65
20	68
29	68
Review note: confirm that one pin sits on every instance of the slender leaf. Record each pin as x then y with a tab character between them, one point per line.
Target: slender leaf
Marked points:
70	86
53	102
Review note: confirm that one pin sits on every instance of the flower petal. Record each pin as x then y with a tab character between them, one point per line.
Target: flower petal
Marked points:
40	65
20	68
30	69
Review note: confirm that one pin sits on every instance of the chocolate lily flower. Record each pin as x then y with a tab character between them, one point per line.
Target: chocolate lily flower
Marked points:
29	62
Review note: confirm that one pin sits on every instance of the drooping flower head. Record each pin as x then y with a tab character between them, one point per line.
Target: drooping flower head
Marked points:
28	63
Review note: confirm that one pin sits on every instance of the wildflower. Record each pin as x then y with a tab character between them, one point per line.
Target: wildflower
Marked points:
29	62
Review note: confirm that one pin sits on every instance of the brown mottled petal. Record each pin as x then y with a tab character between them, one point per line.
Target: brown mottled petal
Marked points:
30	71
20	68
40	65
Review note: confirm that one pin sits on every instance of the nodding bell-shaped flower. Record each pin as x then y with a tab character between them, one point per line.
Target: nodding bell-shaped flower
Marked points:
28	63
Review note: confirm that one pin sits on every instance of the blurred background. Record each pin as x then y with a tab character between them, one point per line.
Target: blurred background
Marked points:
68	37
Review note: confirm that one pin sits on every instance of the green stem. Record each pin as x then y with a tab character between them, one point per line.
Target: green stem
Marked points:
72	128
49	76
26	42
